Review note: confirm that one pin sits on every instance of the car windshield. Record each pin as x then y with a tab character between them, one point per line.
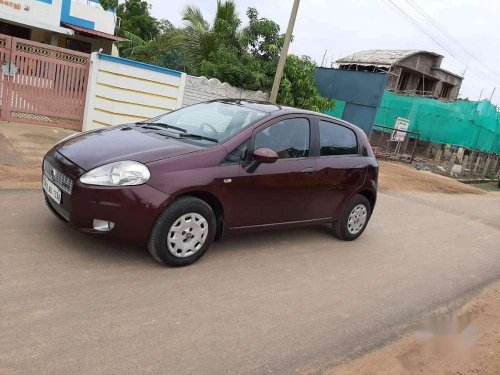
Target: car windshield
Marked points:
208	122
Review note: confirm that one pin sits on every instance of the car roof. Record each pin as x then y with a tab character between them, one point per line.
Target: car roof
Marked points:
277	109
260	105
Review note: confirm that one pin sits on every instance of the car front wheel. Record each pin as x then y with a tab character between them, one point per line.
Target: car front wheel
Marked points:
183	232
353	220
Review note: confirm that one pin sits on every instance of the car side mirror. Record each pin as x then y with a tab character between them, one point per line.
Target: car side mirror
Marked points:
262	155
265	155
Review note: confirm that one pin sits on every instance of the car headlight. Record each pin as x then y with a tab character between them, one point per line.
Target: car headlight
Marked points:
121	173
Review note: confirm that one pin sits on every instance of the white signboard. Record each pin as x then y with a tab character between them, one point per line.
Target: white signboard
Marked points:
401	124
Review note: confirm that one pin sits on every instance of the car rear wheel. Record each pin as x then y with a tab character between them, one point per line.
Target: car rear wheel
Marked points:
183	232
353	220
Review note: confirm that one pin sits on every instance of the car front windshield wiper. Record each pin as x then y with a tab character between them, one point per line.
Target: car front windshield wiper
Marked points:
197	136
162	125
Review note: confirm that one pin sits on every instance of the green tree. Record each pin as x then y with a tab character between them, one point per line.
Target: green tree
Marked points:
262	37
241	71
165	26
298	88
163	50
202	39
109	4
243	57
136	18
199	41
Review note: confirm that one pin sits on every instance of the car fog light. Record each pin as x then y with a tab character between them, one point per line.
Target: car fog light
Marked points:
103	225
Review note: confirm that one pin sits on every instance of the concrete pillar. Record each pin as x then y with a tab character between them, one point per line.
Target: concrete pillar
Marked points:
405	144
465	163
486	166
460	155
494	166
428	150
437	160
471	157
452	163
476	166
447	151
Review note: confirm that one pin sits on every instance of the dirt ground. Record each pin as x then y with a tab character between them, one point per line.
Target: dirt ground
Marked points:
489	186
402	177
20	177
467	342
22	147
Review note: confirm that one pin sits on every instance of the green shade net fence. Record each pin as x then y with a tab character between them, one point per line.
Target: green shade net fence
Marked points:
474	125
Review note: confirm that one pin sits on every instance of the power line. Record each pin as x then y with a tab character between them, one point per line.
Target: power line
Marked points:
391	4
415	23
433	22
479	73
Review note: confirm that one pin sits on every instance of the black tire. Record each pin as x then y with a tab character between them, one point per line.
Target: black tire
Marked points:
157	243
340	227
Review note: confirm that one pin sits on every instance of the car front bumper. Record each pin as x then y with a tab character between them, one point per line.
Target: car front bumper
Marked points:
132	209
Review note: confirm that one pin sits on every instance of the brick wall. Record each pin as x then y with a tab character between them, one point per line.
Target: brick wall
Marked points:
200	89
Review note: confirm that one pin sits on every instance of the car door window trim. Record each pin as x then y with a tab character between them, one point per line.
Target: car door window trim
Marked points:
276	120
358	153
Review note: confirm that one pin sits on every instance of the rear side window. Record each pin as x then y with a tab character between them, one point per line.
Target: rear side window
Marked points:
336	139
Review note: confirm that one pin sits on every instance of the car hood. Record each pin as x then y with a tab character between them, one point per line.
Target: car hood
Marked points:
92	149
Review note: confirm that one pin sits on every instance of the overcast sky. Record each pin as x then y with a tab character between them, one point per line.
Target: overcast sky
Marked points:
344	27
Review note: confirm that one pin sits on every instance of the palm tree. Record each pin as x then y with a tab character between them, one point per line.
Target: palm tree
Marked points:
194	43
134	45
200	38
152	51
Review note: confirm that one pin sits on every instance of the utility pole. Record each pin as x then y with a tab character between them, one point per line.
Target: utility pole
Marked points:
284	52
493	93
323	61
477	104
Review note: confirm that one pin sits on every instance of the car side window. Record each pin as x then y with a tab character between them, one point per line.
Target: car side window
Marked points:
239	154
288	138
336	139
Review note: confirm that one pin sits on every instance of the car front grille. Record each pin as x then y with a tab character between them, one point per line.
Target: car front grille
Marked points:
58	178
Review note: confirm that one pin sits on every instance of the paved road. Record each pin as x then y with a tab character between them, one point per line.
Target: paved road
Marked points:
276	302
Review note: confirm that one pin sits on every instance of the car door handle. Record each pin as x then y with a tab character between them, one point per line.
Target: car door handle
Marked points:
307	170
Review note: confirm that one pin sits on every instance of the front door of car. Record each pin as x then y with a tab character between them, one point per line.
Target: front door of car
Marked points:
278	192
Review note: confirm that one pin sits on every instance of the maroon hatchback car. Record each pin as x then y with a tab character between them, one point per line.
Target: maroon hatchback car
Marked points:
181	180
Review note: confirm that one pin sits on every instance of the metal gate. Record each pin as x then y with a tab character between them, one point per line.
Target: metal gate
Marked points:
42	84
5	48
385	146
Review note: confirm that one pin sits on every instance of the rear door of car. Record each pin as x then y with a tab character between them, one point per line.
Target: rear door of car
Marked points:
277	192
340	168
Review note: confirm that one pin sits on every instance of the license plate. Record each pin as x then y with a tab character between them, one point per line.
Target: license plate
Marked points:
52	190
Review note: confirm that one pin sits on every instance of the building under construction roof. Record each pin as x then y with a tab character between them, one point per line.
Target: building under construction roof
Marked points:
411	72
